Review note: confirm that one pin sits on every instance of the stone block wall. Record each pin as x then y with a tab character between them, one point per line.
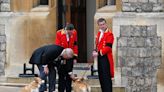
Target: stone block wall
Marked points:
5	6
2	48
139	56
142	5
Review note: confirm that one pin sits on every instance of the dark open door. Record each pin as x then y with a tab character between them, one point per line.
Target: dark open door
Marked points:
74	11
43	2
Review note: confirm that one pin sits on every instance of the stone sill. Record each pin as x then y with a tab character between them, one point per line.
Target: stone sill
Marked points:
5	14
107	8
40	8
144	15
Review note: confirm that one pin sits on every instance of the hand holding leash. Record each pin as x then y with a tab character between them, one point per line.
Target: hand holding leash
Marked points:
46	70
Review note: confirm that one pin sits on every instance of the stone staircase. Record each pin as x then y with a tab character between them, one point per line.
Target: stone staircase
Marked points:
79	69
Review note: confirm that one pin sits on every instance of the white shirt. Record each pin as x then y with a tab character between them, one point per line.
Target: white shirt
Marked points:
67	35
101	34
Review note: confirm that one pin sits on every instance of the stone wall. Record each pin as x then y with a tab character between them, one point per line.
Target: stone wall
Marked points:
2	48
142	5
5	6
139	55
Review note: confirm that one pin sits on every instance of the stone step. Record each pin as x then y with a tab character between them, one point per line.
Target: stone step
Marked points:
94	84
94	88
115	89
25	80
81	69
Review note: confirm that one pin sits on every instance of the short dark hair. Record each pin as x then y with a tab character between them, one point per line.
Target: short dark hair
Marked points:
70	27
101	20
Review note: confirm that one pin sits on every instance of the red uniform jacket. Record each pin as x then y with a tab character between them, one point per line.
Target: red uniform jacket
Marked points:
61	40
104	46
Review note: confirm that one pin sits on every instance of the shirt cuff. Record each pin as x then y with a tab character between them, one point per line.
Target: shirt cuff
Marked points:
44	65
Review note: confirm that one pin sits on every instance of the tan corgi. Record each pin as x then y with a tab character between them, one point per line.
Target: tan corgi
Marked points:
33	86
79	85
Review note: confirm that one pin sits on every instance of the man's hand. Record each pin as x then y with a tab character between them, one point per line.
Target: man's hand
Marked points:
74	61
46	70
94	53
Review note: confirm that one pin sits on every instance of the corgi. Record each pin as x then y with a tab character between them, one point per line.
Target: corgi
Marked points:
79	85
33	86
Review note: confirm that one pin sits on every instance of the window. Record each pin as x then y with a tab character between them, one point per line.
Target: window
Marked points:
43	2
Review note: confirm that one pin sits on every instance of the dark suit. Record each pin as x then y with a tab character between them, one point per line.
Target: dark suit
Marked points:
45	56
65	81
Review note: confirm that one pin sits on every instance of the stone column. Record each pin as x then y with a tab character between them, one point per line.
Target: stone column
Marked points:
2	49
139	55
4	7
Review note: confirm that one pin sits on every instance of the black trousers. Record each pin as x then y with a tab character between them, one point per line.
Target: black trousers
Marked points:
51	78
65	81
104	73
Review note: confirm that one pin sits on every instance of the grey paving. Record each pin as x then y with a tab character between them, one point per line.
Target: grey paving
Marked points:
9	89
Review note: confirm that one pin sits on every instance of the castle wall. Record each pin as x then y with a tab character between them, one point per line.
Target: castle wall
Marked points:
24	26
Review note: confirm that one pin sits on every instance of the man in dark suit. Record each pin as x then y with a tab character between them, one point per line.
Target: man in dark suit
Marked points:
44	58
66	38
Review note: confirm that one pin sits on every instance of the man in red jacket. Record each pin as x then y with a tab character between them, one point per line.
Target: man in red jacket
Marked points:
104	42
66	38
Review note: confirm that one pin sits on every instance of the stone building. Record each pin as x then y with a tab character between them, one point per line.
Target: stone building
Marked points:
27	24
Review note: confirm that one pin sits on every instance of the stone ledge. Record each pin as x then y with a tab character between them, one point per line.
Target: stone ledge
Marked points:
40	8
133	15
94	88
13	84
108	8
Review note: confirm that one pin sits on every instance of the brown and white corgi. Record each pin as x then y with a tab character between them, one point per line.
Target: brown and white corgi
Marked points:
79	85
33	86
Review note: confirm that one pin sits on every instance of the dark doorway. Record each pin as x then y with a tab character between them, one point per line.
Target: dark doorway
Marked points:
74	11
113	2
43	2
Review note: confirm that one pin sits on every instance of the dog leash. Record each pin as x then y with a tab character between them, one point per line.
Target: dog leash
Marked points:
89	66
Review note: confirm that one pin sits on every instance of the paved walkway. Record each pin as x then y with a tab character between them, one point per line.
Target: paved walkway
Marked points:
160	86
9	89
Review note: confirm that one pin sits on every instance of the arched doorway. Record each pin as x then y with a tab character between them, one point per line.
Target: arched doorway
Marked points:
74	11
